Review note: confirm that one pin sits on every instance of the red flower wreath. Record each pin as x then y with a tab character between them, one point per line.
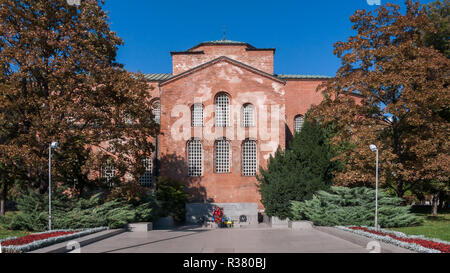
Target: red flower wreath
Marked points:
218	215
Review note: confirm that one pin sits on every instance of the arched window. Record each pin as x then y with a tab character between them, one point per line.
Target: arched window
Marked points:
127	118
298	123
147	178
197	115
249	162
108	172
247	115
195	161
156	109
222	156
222	110
70	119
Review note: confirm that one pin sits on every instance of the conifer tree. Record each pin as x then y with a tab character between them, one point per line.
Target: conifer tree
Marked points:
298	172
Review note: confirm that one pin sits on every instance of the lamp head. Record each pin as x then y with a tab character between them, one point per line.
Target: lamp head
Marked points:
373	148
54	145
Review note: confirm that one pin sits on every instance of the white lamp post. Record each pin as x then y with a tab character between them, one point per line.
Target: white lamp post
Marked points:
375	149
53	145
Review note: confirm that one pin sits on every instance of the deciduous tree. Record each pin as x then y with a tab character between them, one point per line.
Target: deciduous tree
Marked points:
404	87
60	81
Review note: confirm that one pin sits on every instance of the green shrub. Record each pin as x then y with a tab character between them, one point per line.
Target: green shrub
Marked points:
71	213
298	172
343	206
94	213
172	198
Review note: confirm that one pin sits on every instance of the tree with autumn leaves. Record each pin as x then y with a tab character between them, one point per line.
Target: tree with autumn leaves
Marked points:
402	82
60	81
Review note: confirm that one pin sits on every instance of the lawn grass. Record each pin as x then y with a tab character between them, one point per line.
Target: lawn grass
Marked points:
433	226
11	233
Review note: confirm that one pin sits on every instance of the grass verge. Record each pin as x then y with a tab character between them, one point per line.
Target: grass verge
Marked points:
432	227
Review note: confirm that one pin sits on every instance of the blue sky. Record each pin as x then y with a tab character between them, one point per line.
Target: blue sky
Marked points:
302	31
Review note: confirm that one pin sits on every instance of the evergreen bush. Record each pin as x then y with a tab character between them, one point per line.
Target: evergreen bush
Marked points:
76	213
172	198
298	172
342	206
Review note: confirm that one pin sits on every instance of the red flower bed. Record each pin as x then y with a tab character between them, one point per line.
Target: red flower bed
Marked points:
34	237
444	248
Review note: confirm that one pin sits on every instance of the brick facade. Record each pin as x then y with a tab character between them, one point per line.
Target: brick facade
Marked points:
246	75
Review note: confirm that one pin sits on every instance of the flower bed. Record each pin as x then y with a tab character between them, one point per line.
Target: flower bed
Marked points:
34	237
39	240
413	242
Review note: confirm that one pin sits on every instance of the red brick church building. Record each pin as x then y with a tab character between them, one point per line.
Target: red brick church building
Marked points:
223	112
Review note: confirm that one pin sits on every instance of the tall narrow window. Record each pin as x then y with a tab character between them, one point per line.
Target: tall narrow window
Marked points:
195	166
247	115
156	109
222	110
298	123
147	177
249	162
222	158
197	115
127	118
70	119
108	173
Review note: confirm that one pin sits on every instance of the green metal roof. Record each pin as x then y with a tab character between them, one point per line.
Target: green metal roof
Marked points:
158	76
167	76
290	76
222	42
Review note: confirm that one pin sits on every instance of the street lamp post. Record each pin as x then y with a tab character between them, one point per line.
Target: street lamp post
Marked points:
53	145
375	149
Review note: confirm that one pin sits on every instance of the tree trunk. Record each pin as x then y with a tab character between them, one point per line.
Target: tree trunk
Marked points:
3	196
435	201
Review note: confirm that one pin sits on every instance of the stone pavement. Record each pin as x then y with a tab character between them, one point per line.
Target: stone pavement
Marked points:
253	240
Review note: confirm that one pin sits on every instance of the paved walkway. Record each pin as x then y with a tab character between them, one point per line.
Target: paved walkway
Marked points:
198	240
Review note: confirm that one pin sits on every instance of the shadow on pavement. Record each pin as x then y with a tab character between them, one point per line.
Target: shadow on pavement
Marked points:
178	229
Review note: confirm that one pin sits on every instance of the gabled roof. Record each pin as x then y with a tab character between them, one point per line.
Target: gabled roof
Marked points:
166	76
225	59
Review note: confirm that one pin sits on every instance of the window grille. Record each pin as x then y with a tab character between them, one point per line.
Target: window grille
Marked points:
249	162
108	173
222	157
247	116
195	167
222	110
147	178
127	118
298	123
197	115
70	119
157	111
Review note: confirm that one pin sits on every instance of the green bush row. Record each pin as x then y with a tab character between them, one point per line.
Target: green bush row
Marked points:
78	213
341	206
